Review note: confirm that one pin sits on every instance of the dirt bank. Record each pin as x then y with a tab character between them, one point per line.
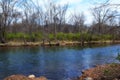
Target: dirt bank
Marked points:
52	43
103	72
22	77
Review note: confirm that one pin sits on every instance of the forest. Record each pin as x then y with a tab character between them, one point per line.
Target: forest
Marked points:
25	20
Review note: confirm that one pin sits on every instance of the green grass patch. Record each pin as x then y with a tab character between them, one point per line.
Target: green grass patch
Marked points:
60	36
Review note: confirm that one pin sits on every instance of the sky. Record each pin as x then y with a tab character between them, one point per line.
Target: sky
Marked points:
80	6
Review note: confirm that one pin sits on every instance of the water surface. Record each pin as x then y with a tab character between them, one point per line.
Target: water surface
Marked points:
56	63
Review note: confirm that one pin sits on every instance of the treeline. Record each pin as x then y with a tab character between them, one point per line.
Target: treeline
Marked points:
25	20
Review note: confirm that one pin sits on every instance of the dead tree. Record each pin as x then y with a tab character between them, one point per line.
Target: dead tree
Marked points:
7	8
102	15
30	18
78	21
55	17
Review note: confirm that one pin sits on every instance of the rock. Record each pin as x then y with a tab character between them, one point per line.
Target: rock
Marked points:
31	76
88	78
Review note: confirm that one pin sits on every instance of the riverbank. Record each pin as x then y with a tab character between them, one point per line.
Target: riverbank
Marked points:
102	72
52	43
22	77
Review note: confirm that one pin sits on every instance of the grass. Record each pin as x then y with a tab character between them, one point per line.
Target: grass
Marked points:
60	36
106	72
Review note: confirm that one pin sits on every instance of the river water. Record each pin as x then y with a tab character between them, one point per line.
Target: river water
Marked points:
55	63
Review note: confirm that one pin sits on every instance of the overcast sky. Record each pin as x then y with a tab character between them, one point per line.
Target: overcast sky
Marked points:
77	6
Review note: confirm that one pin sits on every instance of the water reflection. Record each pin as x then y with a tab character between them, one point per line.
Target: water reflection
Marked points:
56	63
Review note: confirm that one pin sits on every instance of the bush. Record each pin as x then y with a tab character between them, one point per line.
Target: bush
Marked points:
10	36
60	36
15	36
86	36
69	36
106	37
38	36
51	36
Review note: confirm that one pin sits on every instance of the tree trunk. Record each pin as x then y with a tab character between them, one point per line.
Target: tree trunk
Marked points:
2	36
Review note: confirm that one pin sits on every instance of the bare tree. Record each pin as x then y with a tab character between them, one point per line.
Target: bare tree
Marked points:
78	21
106	15
16	19
102	15
30	17
55	17
62	17
7	8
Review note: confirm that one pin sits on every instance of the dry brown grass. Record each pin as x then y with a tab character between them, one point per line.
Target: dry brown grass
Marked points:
103	72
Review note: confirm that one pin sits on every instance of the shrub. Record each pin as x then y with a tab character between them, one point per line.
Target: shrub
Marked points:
51	36
106	37
60	36
10	36
15	36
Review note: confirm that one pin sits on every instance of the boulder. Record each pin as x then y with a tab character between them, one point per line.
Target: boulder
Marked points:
31	76
88	78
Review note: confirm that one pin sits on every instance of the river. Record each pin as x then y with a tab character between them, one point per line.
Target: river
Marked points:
55	63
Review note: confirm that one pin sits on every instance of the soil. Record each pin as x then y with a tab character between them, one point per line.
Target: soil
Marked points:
59	43
22	77
103	72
